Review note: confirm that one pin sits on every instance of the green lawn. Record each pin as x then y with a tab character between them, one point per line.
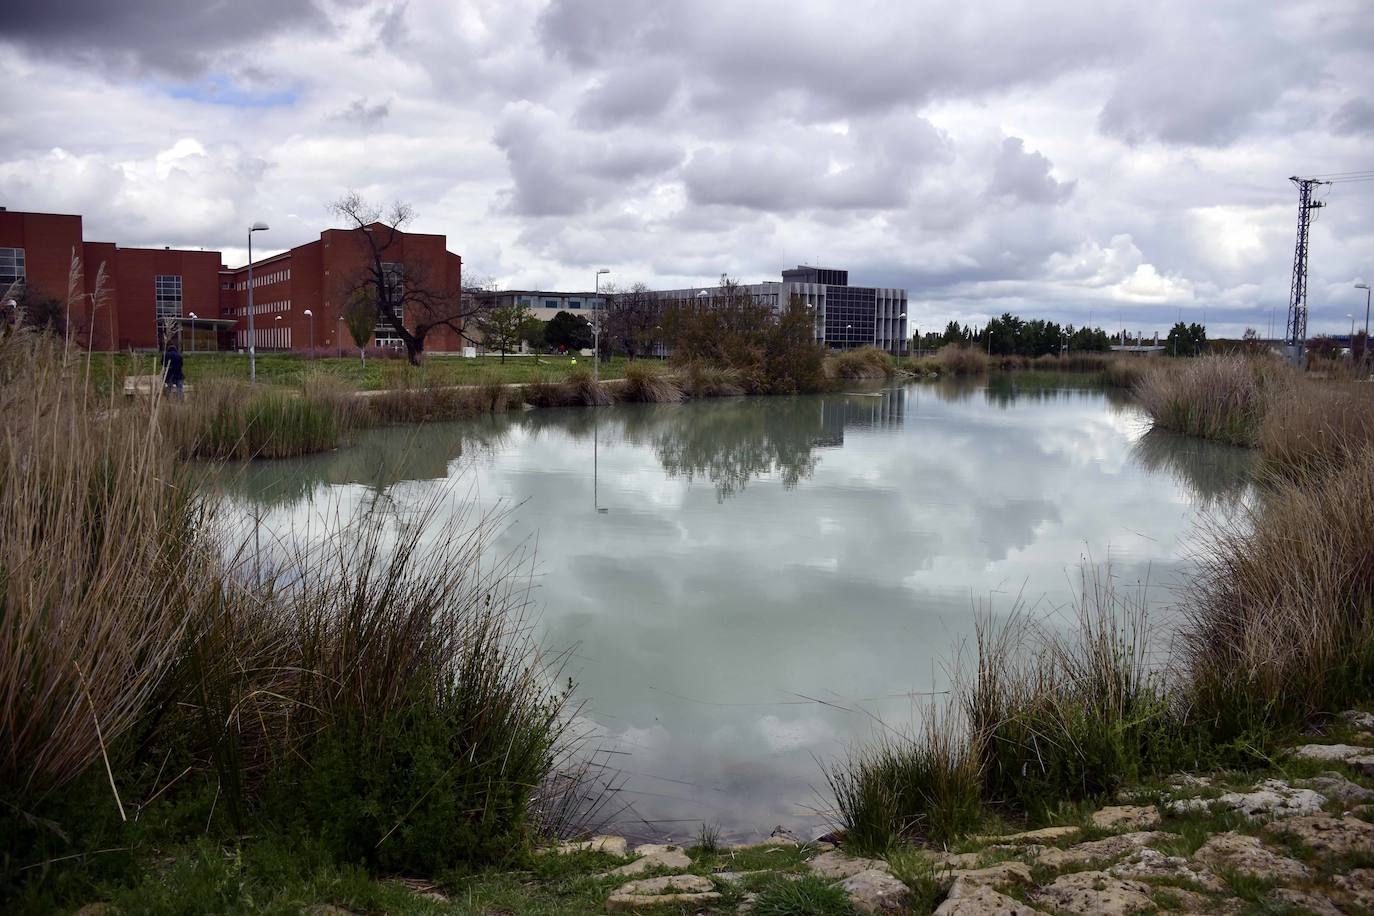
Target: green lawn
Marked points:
285	370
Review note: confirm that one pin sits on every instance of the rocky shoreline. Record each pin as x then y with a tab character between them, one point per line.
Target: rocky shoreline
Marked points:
1298	839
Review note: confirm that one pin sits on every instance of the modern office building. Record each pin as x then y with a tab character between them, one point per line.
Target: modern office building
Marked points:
150	295
846	316
543	304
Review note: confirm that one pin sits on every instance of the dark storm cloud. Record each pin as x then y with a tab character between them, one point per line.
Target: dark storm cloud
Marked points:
1354	117
1024	175
169	36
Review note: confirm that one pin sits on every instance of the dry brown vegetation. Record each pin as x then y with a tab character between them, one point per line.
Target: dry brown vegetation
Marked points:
150	653
956	359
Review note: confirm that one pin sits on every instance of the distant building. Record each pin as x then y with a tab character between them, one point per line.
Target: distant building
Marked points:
151	293
543	304
846	316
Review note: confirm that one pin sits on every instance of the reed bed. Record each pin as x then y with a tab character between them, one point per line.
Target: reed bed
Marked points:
955	359
415	397
377	691
1215	397
1308	428
1281	614
223	419
860	363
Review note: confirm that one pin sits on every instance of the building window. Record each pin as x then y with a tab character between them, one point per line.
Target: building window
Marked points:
574	303
168	290
11	267
552	304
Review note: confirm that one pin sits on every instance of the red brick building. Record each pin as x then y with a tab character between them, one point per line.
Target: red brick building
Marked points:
148	293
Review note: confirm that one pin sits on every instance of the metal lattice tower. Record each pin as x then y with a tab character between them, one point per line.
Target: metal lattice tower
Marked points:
1297	298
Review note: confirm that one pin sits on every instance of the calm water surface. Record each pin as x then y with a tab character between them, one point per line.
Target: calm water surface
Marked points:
755	584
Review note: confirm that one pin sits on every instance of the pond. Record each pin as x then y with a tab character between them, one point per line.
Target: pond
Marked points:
756	585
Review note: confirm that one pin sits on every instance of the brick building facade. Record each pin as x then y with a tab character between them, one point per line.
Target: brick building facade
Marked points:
148	293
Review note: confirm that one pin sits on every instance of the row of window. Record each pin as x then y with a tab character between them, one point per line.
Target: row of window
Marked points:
272	276
262	307
530	302
273	338
11	267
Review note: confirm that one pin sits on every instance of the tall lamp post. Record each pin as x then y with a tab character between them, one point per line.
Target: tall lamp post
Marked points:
1365	287
311	315
596	328
259	226
193	317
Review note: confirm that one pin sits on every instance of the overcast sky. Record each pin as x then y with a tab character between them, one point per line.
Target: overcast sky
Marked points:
1115	160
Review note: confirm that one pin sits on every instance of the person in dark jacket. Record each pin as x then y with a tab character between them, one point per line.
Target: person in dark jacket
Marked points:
172	375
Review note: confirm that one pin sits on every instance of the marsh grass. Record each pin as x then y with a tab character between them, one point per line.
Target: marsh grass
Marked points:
1215	397
648	384
227	419
806	896
378	690
1281	614
860	363
902	789
1307	428
955	359
702	380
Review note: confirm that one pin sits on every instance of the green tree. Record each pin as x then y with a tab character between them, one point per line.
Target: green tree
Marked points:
568	330
505	326
360	317
1187	340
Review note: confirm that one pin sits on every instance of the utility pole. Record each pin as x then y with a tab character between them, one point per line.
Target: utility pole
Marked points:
1296	336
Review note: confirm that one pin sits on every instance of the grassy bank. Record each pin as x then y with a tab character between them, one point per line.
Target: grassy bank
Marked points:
372	699
1278	632
378	372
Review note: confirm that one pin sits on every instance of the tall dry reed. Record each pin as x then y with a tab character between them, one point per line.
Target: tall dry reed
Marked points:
955	359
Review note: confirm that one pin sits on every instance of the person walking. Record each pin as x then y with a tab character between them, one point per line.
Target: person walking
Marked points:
172	376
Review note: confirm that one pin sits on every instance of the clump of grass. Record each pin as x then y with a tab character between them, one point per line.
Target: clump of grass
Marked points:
1064	717
955	359
860	363
1281	613
807	896
702	380
223	419
646	384
1216	397
909	790
577	389
708	838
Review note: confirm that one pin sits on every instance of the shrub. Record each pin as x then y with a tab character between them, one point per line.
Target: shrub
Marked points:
645	384
956	359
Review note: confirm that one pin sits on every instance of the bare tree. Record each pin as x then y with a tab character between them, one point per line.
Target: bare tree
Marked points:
631	319
408	298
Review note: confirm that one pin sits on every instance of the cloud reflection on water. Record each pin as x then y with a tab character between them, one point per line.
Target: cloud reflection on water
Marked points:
773	576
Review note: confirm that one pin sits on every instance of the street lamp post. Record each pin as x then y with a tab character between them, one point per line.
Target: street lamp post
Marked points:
252	336
311	315
193	317
596	328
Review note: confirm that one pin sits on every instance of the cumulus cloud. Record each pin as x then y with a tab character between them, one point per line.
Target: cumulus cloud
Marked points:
1067	159
1024	175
